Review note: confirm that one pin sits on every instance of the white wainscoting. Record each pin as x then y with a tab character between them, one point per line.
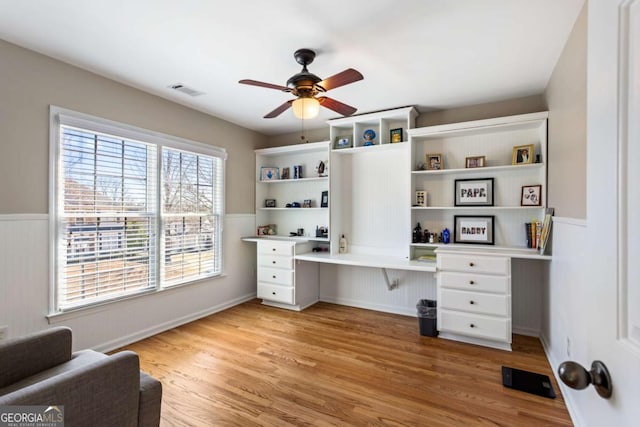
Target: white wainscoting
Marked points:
564	318
24	288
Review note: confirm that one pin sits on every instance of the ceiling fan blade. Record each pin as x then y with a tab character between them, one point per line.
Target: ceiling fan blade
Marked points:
263	84
279	110
337	106
343	78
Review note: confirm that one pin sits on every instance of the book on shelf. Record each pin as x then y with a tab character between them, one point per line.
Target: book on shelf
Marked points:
546	230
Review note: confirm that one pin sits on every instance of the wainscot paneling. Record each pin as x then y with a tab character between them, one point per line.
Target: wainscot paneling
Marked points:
24	288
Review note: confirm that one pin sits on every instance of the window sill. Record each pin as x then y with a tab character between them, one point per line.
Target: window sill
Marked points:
54	318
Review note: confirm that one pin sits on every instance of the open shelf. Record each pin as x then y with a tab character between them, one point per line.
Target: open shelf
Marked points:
298	181
353	150
442	208
486	169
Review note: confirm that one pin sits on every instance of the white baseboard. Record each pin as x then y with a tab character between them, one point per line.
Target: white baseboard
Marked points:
566	391
146	333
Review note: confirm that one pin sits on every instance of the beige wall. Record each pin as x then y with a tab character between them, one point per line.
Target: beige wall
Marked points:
30	82
566	98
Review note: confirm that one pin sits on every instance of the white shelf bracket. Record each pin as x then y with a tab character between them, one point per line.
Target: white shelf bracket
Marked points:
390	285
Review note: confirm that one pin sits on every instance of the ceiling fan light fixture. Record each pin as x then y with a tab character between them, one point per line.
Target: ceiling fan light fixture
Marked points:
306	108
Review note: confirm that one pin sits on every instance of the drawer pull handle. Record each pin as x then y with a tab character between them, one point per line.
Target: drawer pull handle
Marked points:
471	302
273	262
273	293
273	249
274	276
472	325
471	264
471	282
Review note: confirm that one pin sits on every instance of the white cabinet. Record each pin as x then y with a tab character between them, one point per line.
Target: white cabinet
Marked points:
494	139
474	298
293	190
282	281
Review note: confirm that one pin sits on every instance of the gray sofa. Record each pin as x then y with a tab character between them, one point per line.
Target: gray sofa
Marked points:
94	388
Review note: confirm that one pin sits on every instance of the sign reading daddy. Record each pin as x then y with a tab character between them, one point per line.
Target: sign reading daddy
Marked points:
474	230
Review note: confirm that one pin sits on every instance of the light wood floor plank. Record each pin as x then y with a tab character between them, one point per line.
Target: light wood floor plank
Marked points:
329	365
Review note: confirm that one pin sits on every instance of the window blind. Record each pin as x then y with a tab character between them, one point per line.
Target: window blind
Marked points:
192	208
107	217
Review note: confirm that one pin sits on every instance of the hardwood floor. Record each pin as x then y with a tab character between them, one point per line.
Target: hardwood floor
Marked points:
336	365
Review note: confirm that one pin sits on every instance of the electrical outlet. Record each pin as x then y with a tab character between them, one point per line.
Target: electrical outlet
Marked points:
4	332
568	347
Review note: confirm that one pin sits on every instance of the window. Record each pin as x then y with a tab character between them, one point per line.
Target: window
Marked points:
132	211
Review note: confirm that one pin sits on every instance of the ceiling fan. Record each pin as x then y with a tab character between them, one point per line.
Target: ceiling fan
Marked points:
306	86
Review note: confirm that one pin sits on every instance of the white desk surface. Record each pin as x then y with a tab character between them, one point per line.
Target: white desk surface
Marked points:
361	260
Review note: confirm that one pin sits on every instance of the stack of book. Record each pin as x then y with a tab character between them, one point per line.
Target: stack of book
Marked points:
538	232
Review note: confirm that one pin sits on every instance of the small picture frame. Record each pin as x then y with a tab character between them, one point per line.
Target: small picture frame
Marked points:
474	162
471	229
522	154
421	198
324	199
285	173
433	162
306	203
531	195
473	192
269	173
395	135
269	203
345	141
369	138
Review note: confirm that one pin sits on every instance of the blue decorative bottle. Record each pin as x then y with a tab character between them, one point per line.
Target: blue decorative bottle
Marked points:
446	236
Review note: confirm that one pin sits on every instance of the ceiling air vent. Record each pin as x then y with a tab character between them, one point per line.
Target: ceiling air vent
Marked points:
185	89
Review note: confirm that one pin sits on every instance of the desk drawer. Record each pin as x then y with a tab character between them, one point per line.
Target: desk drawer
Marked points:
275	261
275	248
475	302
475	325
274	275
474	263
275	293
475	282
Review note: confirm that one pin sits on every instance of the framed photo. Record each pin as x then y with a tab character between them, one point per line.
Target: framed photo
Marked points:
474	192
269	203
269	174
285	173
306	203
478	230
343	142
395	135
522	154
474	162
324	200
531	195
433	162
421	198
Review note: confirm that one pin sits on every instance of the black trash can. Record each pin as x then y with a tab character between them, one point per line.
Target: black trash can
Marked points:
427	317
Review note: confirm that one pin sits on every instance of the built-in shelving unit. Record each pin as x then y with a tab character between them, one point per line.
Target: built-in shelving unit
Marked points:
289	220
494	139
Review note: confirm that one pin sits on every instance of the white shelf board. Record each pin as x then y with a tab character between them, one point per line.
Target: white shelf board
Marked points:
444	208
366	260
293	209
297	239
294	149
478	170
510	251
298	181
355	150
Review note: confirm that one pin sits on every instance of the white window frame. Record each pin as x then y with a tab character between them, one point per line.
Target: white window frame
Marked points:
61	116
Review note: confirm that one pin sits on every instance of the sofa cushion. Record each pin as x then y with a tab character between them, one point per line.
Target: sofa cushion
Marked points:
78	360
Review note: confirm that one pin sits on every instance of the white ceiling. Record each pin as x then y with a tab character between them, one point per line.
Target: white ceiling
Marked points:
432	54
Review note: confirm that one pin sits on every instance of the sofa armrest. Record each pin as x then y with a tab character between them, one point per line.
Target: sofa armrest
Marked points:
150	401
103	393
22	357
